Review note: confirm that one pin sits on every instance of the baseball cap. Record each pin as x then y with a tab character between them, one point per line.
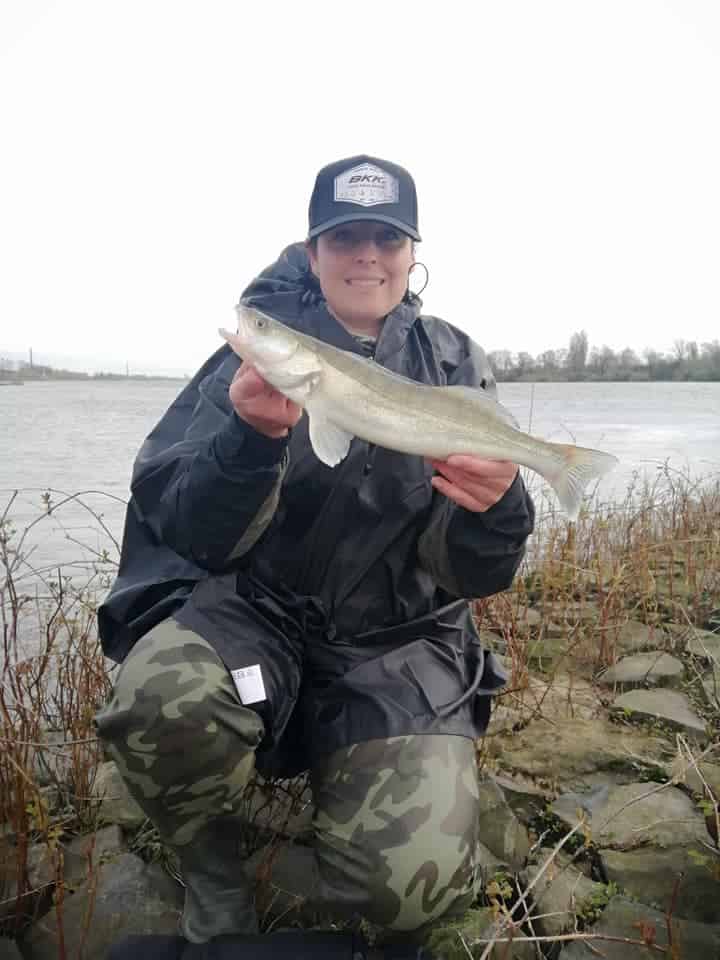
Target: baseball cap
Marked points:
363	188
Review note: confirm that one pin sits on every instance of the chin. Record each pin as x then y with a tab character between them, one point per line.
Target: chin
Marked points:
366	313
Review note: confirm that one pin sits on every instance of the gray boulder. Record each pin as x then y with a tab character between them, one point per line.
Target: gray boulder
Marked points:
129	898
501	832
654	667
116	805
624	919
671	708
646	839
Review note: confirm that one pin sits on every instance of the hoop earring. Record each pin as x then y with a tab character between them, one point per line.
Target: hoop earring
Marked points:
417	263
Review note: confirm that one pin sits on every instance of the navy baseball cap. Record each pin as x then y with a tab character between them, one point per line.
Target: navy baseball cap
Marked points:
363	188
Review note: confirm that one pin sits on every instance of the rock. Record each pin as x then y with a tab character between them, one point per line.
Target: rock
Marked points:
522	796
549	647
130	898
652	873
569	753
530	616
271	807
52	763
559	895
646	837
586	611
711	689
117	806
691	778
573	805
9	950
488	864
41	864
454	940
700	643
634	636
670	707
500	830
654	667
637	814
623	918
492	641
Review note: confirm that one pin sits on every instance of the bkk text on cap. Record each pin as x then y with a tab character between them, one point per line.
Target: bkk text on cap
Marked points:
363	188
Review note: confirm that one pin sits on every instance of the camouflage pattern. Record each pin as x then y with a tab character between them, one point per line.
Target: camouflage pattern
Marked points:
395	820
397	827
182	740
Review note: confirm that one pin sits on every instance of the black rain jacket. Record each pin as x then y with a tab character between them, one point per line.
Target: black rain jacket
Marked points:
366	556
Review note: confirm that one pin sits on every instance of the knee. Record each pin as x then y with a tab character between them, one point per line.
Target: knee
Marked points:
174	695
403	844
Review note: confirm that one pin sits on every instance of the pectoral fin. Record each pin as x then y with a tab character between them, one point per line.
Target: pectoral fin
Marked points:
330	442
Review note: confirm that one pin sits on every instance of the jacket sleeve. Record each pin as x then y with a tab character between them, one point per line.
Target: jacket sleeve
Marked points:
210	495
471	554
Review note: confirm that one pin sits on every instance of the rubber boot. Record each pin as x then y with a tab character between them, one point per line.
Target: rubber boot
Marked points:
219	898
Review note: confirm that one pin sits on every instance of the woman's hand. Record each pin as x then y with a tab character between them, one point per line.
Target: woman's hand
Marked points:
472	482
258	403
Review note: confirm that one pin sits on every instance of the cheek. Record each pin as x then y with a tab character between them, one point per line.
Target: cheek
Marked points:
399	276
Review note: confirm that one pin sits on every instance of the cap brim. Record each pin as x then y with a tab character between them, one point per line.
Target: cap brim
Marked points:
353	217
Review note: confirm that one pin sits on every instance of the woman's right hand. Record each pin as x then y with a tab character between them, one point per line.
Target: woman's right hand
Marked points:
258	403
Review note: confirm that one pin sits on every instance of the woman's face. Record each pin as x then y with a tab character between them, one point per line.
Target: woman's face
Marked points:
363	271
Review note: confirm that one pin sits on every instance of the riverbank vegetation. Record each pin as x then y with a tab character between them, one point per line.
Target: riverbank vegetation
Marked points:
642	572
581	361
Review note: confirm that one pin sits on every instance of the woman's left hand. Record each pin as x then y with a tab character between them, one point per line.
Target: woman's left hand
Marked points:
472	482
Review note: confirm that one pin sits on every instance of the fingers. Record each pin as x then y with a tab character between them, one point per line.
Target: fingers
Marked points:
477	466
261	405
472	482
461	496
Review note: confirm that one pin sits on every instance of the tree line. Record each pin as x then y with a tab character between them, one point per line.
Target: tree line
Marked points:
580	361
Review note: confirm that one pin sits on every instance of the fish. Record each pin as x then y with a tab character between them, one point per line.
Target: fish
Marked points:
346	395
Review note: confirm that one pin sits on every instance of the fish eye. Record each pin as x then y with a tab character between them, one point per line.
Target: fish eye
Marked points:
260	322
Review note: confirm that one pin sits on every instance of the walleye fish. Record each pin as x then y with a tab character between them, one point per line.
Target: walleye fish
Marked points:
346	396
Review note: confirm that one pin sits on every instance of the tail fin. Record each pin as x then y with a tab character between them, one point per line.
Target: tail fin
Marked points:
579	466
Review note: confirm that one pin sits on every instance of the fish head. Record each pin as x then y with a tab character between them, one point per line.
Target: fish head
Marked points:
262	341
279	355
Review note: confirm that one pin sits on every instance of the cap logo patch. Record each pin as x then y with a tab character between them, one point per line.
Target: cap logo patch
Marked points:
366	185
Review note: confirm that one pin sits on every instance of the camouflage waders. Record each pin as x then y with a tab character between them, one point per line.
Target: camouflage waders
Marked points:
395	821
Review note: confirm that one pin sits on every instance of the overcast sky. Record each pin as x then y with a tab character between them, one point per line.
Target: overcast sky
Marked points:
155	155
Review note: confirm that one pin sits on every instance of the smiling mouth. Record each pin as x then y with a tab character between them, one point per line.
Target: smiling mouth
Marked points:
364	282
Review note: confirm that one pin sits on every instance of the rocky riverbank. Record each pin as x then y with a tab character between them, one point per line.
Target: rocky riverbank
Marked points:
598	816
600	771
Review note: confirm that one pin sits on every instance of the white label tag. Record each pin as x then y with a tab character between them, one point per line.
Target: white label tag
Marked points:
366	185
249	684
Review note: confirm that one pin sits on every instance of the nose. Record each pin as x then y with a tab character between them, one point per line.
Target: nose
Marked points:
366	252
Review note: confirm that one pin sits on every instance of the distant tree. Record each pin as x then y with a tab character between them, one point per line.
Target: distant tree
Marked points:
525	363
680	348
548	361
628	359
710	359
501	361
577	353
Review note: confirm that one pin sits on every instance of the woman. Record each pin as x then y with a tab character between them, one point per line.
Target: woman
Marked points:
273	612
